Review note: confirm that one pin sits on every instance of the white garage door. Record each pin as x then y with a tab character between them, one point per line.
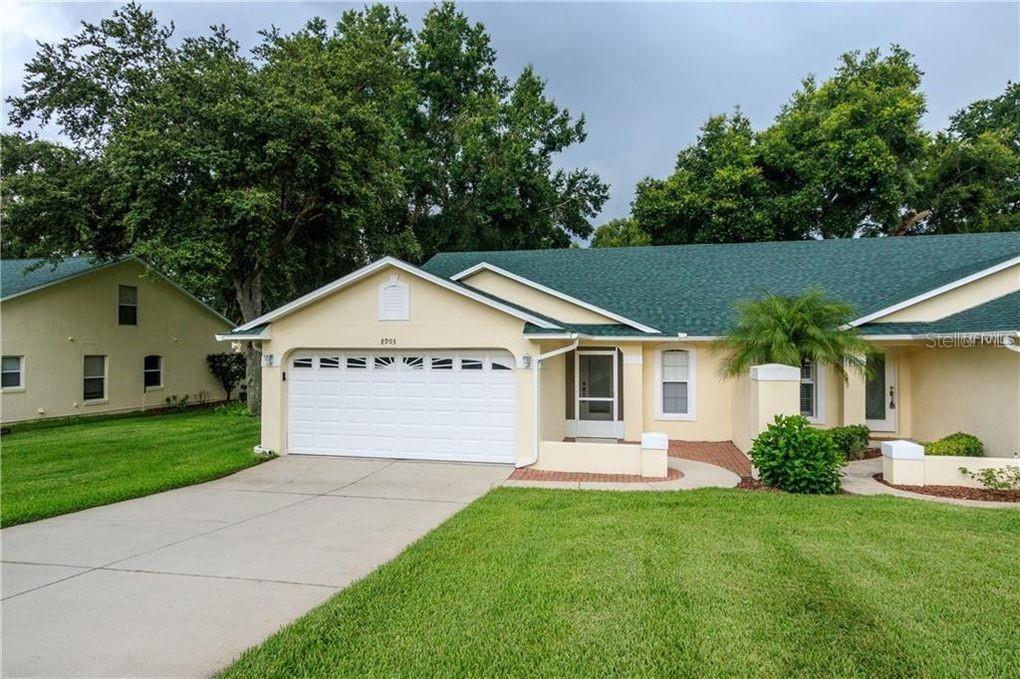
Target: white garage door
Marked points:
429	405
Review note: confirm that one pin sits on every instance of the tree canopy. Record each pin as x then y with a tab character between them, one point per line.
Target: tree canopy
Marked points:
844	157
620	233
254	176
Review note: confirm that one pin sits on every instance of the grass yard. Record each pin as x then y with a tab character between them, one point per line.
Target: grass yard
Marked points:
49	470
709	582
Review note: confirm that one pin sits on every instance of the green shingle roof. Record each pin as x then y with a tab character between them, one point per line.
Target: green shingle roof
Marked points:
998	315
19	275
692	288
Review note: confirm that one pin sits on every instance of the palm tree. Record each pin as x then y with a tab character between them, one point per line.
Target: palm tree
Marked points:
790	330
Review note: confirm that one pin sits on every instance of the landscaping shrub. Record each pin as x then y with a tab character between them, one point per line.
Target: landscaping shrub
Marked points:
852	440
794	456
966	445
1007	478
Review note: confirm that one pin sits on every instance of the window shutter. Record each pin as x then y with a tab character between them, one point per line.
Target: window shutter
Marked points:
394	303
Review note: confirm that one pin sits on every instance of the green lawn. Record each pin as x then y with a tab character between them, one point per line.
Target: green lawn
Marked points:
48	470
709	582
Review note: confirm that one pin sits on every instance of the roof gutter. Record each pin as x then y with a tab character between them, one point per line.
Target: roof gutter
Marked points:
536	395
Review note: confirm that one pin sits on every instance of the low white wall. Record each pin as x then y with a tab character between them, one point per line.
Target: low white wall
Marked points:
589	457
905	464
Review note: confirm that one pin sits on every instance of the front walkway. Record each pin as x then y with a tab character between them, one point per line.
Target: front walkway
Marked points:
858	478
179	583
720	453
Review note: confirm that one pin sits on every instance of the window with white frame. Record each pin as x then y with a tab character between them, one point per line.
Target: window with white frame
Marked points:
94	382
809	389
152	372
11	372
675	383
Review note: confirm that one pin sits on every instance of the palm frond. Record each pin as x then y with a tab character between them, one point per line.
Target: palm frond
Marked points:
789	330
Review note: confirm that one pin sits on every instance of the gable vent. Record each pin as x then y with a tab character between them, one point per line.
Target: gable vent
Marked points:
394	302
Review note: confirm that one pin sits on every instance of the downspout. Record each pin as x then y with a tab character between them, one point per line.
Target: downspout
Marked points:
536	395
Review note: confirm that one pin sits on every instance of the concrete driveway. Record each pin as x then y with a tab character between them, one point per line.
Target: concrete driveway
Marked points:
179	583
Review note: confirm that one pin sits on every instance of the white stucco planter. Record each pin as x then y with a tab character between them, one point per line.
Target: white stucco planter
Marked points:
905	464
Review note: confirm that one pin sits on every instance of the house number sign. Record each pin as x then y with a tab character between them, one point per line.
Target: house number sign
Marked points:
388	341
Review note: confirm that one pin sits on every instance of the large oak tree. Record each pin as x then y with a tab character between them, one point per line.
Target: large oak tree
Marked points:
255	176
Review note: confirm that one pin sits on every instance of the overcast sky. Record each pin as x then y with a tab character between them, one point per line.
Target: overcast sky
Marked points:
645	75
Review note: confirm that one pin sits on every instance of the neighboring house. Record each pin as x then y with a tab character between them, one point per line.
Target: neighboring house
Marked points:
80	338
502	356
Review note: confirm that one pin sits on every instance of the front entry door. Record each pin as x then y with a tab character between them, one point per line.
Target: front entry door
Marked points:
881	396
595	376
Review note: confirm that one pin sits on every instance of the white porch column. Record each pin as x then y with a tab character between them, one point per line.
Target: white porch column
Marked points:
773	389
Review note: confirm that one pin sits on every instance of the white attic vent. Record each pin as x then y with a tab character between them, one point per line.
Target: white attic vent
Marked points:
394	302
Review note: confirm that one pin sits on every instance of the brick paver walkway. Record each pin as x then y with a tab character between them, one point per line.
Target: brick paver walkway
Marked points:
720	453
528	474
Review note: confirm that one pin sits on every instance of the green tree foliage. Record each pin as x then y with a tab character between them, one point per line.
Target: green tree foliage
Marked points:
790	330
253	177
717	194
479	149
971	176
842	154
843	157
228	368
53	196
620	233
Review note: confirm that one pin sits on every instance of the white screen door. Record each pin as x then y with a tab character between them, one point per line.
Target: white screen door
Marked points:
596	387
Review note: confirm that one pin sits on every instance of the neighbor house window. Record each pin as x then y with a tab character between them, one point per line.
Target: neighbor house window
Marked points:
127	305
810	390
153	371
95	378
676	382
10	375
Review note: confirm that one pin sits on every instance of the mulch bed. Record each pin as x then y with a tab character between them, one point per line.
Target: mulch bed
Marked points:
526	474
959	492
872	453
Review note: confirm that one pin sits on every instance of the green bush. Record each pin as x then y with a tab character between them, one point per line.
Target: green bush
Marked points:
1007	478
966	445
852	440
794	456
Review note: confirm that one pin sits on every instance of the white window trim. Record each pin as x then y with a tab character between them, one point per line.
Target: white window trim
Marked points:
106	381
402	314
161	384
21	375
819	416
692	383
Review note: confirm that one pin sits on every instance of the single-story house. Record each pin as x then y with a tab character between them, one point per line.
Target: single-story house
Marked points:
537	357
82	337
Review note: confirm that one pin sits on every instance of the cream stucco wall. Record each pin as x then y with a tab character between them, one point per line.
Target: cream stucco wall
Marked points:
55	327
713	397
348	319
553	415
964	297
970	389
530	298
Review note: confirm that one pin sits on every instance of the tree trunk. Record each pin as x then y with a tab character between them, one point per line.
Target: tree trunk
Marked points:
253	377
249	299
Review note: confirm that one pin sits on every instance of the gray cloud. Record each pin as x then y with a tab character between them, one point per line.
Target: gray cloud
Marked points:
645	75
